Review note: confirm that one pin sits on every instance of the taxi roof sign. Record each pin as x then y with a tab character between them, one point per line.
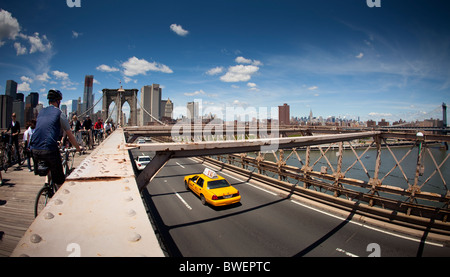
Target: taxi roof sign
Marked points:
210	173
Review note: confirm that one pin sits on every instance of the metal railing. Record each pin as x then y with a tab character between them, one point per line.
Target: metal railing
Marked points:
389	183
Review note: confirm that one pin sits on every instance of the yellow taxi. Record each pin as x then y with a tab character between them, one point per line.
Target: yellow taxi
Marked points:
212	188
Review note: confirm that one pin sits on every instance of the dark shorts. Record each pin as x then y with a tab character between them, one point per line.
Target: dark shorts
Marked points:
53	160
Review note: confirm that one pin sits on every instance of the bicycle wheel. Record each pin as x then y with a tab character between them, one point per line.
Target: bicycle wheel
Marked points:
70	161
5	161
42	199
21	155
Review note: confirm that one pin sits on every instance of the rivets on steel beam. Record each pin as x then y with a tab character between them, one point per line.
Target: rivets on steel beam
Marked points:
49	216
72	183
58	202
66	191
131	213
35	238
135	237
129	199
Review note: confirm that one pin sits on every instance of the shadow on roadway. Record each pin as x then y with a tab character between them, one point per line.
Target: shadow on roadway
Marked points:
327	235
162	230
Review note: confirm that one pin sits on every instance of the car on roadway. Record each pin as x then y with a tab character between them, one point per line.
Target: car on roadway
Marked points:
212	189
141	141
142	162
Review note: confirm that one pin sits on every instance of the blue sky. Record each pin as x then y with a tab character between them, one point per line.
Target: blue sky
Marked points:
336	58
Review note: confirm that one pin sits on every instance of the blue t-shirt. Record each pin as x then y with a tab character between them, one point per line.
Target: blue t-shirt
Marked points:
50	125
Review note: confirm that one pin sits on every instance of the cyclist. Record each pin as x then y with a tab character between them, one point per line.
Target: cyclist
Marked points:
50	125
87	125
98	130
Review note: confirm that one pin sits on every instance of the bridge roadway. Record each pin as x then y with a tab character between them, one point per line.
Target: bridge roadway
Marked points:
266	223
99	212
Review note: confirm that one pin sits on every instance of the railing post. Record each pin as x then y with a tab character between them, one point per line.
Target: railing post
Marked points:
280	164
259	159
375	182
307	168
338	173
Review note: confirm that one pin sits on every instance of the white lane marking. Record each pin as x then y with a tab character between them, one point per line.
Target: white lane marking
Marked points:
180	165
184	202
256	187
346	252
366	226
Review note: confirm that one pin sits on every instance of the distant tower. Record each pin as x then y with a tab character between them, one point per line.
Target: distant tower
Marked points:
151	102
284	114
88	97
444	114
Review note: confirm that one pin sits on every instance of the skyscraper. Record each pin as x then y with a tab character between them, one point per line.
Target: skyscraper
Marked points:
192	110
31	102
11	89
88	97
151	103
284	114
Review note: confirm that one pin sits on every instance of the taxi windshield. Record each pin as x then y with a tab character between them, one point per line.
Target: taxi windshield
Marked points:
218	184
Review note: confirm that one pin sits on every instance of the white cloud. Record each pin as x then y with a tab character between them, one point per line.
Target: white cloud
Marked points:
127	80
43	77
26	79
9	26
23	87
380	114
66	83
106	68
20	50
76	34
198	92
178	29
60	75
215	70
253	87
38	43
135	66
241	59
313	88
360	55
239	73
10	29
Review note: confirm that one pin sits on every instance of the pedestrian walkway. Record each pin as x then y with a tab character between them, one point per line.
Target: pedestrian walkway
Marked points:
17	197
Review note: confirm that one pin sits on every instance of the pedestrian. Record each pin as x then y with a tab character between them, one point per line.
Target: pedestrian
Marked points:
26	142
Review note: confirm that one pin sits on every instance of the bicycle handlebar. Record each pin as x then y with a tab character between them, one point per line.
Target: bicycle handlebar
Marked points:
73	149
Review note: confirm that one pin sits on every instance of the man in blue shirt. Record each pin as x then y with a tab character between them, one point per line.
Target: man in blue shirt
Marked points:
51	124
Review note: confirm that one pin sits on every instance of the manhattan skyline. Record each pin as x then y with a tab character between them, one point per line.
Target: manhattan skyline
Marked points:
336	58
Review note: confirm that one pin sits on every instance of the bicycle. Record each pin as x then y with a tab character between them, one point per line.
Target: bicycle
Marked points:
10	153
98	136
49	189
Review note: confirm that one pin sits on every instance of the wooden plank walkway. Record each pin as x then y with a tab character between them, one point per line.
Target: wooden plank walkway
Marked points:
17	198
